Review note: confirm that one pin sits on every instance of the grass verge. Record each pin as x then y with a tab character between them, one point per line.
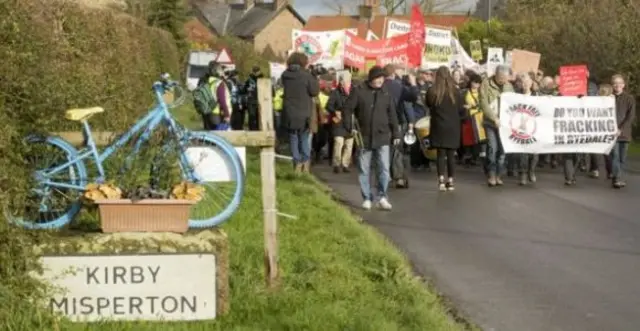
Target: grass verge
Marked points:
337	274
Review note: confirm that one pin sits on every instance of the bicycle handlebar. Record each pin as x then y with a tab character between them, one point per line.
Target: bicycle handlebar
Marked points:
164	85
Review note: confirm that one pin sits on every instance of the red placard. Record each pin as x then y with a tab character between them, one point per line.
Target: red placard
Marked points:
416	37
386	51
573	80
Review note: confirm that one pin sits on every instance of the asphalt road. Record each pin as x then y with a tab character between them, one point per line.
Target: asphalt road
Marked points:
538	258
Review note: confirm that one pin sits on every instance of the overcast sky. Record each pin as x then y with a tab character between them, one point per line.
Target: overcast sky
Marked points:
323	7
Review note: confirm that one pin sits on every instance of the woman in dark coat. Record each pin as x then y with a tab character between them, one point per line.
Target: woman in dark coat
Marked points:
300	88
447	113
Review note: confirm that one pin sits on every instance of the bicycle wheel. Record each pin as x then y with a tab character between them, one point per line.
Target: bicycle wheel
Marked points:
49	204
222	193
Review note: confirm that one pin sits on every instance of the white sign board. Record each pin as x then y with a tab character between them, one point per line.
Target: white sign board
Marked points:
495	58
276	70
211	165
174	287
396	28
549	125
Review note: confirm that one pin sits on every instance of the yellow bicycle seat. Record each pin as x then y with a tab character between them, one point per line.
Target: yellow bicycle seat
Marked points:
80	114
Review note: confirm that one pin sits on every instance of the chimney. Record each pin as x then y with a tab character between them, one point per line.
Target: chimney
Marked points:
375	6
368	10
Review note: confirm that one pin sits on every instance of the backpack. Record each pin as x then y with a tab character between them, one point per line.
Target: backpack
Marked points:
203	99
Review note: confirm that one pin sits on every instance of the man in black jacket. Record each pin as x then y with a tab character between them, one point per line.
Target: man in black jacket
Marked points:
374	111
251	93
300	87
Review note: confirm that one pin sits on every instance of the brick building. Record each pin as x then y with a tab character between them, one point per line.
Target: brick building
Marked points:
267	25
371	19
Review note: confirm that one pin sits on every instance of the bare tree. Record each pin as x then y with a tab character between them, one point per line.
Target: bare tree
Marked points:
394	7
341	7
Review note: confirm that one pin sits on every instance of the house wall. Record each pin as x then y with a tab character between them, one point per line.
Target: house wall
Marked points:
277	34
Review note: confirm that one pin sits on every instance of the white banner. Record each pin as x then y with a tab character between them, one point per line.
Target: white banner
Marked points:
326	47
461	58
546	124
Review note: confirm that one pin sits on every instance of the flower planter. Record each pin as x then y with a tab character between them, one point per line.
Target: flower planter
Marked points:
147	215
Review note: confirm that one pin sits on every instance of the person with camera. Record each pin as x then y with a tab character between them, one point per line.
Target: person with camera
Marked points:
370	111
342	138
212	98
300	88
251	95
424	82
233	84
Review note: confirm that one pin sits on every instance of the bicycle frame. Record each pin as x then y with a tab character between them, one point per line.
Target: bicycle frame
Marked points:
158	115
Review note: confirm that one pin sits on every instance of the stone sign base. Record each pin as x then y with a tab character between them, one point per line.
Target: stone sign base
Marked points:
206	242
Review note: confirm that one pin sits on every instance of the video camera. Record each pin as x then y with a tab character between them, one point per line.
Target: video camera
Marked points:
231	73
317	70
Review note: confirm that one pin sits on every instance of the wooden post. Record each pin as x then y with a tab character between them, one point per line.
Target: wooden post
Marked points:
268	174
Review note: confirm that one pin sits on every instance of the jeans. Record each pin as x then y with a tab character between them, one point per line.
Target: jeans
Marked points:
570	165
528	163
495	152
618	157
381	155
300	143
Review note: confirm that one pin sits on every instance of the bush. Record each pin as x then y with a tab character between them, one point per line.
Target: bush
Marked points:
58	55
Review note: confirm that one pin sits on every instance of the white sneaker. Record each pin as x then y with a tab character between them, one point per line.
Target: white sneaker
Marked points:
384	204
366	205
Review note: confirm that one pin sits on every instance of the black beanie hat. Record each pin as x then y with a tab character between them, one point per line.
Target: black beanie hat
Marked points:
376	72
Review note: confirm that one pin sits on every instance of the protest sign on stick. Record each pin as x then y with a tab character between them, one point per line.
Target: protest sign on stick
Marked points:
476	50
495	58
524	61
573	80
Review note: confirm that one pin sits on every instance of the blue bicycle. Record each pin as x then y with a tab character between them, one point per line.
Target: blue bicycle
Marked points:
61	178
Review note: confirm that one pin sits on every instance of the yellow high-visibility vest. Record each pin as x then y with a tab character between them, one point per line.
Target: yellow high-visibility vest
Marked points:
324	99
278	100
214	83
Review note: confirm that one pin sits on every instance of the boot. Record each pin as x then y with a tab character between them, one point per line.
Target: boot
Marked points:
523	179
298	168
442	186
306	166
491	181
450	185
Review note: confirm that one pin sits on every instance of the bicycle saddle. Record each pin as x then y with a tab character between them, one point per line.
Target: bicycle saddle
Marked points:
79	114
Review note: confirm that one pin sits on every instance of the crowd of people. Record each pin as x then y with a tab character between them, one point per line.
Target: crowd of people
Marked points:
322	116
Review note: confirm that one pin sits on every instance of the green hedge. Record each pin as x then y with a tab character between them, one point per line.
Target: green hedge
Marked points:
57	55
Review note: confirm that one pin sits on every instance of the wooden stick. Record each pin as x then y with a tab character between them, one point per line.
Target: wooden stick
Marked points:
268	174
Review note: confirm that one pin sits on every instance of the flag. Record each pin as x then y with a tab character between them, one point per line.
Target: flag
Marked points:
416	37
